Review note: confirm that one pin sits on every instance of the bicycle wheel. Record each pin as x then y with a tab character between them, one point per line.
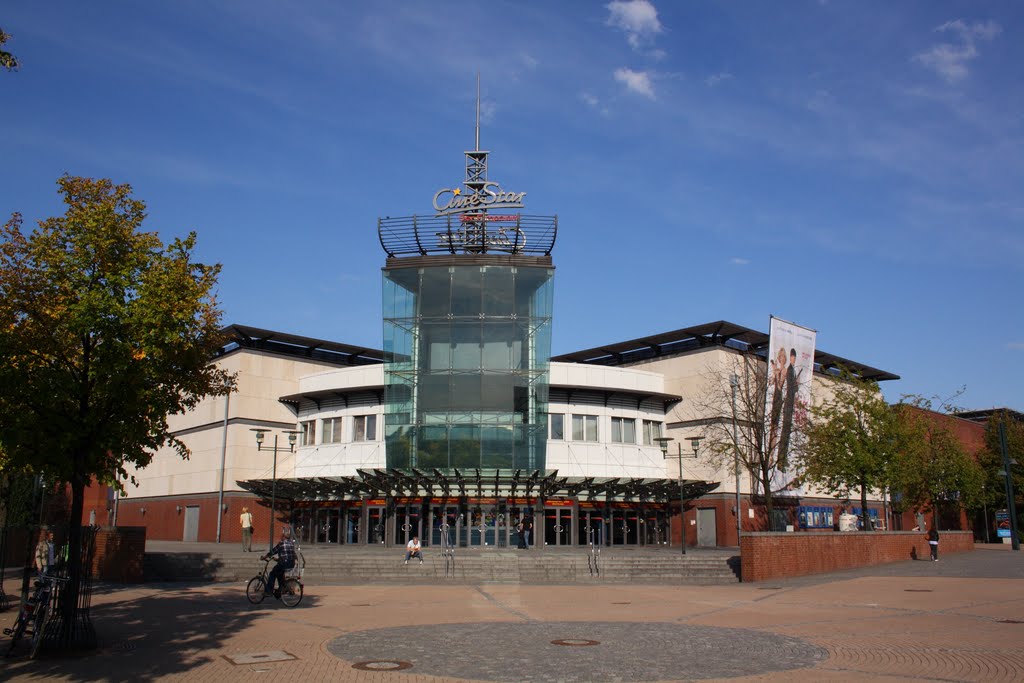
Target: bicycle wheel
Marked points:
254	591
291	592
17	631
38	630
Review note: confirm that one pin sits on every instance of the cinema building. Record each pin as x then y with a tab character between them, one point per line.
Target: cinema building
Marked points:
463	425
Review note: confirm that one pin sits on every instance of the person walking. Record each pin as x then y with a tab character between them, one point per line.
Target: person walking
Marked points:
933	543
44	558
246	520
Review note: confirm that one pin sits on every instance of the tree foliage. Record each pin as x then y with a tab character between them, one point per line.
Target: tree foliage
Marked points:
933	469
990	459
104	331
742	427
7	60
853	439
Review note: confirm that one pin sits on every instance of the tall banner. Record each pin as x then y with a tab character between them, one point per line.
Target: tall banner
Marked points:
790	368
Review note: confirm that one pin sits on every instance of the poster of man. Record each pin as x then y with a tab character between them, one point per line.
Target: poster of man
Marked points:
790	367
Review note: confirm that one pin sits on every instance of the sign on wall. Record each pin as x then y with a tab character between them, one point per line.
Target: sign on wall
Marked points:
790	368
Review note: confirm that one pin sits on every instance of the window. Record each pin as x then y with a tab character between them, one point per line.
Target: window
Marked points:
556	426
331	432
584	427
365	428
623	430
308	429
652	430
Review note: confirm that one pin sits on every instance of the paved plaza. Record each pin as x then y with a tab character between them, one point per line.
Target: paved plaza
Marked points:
960	619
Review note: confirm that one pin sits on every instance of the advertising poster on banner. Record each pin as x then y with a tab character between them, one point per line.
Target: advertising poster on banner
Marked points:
1002	524
790	368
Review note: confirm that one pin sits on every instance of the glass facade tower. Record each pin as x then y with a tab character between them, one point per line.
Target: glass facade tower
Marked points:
467	346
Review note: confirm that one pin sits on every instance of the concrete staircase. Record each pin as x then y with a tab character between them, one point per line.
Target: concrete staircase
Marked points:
167	561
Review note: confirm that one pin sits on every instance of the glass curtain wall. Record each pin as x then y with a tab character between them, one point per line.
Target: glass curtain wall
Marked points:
467	350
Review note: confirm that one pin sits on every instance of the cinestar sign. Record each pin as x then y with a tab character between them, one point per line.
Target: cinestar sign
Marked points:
490	196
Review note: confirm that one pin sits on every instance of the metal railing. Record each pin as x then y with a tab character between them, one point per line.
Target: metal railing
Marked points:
594	555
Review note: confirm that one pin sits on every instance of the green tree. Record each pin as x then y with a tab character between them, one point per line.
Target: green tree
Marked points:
7	60
104	332
991	461
852	440
933	468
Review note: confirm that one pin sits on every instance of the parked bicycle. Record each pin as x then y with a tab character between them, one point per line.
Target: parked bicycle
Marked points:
33	615
290	591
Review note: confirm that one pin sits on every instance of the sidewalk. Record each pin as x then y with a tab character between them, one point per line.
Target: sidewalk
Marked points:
959	619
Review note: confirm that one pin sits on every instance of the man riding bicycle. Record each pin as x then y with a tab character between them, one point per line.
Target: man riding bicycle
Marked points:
285	551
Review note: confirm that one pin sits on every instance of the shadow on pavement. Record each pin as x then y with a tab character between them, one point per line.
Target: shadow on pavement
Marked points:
149	636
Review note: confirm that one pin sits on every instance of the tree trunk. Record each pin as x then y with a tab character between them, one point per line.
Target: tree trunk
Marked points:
69	604
865	518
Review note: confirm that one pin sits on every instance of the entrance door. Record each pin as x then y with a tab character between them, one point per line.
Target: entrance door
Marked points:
625	527
327	523
591	528
655	527
375	524
557	526
443	525
483	526
407	523
191	532
707	531
352	516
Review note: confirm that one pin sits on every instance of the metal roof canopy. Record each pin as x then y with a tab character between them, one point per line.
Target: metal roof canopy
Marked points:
295	345
478	483
720	333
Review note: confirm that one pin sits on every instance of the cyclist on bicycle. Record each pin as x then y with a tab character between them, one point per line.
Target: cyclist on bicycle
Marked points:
285	551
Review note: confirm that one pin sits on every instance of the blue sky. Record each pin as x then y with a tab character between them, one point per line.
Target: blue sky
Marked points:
854	167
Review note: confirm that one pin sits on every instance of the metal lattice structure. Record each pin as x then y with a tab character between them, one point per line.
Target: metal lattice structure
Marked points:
518	234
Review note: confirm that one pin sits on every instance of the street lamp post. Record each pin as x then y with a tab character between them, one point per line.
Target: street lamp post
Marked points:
663	443
1011	504
260	434
734	383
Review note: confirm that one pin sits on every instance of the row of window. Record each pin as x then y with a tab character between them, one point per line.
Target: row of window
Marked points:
332	429
585	428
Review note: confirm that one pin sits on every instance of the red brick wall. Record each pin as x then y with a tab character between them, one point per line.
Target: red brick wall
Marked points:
767	556
165	522
118	555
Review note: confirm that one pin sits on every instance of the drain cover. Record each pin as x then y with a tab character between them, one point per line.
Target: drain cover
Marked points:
381	665
260	657
575	642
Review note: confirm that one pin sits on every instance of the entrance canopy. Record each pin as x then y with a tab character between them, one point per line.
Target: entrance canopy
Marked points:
478	483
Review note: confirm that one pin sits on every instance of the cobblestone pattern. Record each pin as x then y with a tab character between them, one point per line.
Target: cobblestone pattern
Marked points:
627	651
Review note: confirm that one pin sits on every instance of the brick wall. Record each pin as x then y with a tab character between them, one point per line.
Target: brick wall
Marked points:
767	556
164	518
118	555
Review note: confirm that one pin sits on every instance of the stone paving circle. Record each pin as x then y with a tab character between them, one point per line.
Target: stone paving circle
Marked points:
627	651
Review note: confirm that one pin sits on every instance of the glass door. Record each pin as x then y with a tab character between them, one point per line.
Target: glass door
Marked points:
557	526
591	528
407	523
444	525
327	522
375	524
352	516
483	526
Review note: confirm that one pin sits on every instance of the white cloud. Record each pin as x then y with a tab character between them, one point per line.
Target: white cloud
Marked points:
949	60
589	99
715	79
739	261
637	18
1016	346
635	81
